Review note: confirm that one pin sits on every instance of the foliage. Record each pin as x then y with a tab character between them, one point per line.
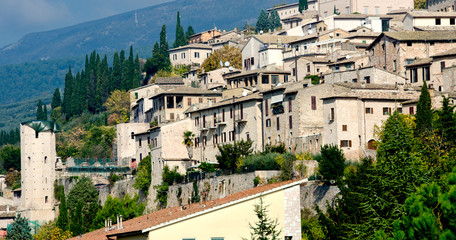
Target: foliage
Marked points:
188	138
332	163
311	229
113	178
279	148
189	32
127	207
207	167
98	142
172	176
10	157
181	39
265	228
420	4
195	193
118	103
303	5
63	221
274	20
262	23
9	137
56	99
143	176
232	55
446	124
40	114
286	163
82	206
12	176
315	79
256	181
20	229
264	161
424	114
162	194
51	231
229	154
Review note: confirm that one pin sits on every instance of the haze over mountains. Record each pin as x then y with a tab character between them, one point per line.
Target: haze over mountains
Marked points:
137	28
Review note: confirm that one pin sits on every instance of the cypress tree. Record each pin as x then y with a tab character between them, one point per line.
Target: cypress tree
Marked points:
189	32
165	63
180	35
39	110
262	23
423	113
56	99
45	113
446	123
67	91
274	20
303	5
116	81
62	221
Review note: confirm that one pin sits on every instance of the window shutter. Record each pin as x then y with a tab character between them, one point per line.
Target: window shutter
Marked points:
349	143
341	143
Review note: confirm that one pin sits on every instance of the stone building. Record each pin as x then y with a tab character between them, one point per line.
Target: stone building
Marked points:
326	8
441	5
306	66
204	37
394	50
364	75
227	121
350	117
192	54
257	79
125	142
426	21
38	158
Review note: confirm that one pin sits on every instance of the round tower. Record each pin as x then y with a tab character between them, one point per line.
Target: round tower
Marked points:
38	156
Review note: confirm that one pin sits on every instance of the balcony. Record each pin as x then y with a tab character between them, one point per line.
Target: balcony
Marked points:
238	119
220	122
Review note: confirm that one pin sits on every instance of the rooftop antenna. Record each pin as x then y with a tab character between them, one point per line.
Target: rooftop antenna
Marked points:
136	19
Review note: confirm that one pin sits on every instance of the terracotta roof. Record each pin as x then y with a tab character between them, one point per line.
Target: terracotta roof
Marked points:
169	80
257	71
359	16
194	45
347	60
419	62
422	36
187	91
362	34
445	53
426	14
136	225
201	107
435	28
268	38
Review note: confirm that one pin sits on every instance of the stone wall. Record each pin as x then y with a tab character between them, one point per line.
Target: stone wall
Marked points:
315	193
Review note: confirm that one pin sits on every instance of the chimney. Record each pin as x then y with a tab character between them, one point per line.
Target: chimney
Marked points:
7	208
120	224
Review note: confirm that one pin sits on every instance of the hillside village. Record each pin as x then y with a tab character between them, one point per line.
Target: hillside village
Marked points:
332	74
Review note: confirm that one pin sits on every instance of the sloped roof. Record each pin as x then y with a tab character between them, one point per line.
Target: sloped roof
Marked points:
169	80
174	214
434	28
426	14
184	90
417	36
419	62
446	53
268	38
194	45
200	107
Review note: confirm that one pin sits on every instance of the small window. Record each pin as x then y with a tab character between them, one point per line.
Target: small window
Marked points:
442	65
313	100
438	21
345	143
409	44
140	142
331	117
136	95
344	128
290	121
411	111
46	199
367	79
369	111
386	111
278	124
268	122
451	21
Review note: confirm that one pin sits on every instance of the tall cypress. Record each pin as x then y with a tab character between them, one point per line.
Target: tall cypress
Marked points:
39	110
56	99
45	113
189	32
62	220
67	91
424	113
116	81
262	23
303	5
164	55
274	20
180	35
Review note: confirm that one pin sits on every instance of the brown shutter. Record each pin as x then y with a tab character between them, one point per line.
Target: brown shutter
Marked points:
350	143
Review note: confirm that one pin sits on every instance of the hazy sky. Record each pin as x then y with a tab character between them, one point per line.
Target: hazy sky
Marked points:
19	17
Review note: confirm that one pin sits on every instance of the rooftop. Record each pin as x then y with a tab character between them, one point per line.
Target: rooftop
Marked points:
194	46
426	14
175	214
169	80
184	90
41	126
268	38
201	107
419	62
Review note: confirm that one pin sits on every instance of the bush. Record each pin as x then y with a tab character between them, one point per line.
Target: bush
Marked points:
332	162
162	194
280	148
172	177
286	162
256	181
266	161
207	167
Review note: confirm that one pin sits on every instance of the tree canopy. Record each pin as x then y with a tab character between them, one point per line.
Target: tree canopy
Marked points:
231	54
181	39
20	229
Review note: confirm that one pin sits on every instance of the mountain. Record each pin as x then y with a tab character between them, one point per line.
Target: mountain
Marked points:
137	28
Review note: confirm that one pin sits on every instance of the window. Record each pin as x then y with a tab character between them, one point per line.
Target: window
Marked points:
308	68
386	111
426	74
189	101
394	65
140	142
409	44
266	107
45	199
344	128
268	122
369	111
140	157
451	21
290	104
313	100
442	65
437	21
148	140
45	159
182	55
265	79
223	115
217	238
248	136
174	56
231	113
399	110
290	121
136	95
171	116
367	79
200	100
278	124
214	139
224	137
274	79
411	111
331	116
345	143
415	75
204	140
197	54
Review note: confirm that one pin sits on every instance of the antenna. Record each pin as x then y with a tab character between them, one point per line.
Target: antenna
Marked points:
136	19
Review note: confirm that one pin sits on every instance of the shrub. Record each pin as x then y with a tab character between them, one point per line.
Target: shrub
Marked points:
332	162
263	161
172	176
207	167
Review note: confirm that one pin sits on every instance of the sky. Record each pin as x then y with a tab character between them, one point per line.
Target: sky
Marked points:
19	17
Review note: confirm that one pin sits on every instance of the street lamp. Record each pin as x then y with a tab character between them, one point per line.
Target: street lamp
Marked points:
296	61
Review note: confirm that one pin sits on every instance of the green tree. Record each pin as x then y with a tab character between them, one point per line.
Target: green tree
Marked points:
226	54
262	23
45	113
143	176
39	111
274	20
424	114
82	205
10	157
118	106
20	229
50	231
128	207
229	154
303	5
66	104
62	220
446	123
56	99
265	228
188	138
420	4
331	165
180	35
189	32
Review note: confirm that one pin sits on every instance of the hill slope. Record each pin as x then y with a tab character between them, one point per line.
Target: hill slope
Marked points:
121	31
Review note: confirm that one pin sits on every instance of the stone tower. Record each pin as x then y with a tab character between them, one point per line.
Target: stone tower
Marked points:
38	156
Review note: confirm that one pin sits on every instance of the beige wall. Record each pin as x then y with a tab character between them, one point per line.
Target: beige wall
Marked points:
233	222
126	146
38	156
376	76
189	55
441	5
